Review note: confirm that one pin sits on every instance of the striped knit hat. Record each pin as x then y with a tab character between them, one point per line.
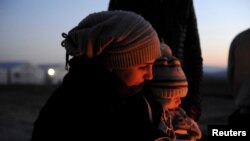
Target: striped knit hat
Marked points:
122	39
169	79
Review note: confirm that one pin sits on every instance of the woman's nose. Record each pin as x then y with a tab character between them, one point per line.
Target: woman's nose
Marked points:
149	74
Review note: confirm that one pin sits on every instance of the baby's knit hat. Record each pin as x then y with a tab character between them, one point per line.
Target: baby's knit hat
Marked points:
169	79
122	39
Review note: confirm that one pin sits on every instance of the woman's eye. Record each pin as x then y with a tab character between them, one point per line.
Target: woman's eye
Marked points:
144	67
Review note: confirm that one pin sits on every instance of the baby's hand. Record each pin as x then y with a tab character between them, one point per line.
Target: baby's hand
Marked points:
195	130
185	123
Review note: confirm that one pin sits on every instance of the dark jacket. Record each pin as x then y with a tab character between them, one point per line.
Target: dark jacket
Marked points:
92	104
175	23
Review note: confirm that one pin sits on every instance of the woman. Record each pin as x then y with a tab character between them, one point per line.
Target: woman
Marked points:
113	53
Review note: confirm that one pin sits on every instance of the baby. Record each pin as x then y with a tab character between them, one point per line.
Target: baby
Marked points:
168	86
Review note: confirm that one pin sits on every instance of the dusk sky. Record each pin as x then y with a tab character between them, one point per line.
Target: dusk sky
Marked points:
30	30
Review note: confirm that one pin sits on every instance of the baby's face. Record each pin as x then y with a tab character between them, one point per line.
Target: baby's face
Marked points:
171	103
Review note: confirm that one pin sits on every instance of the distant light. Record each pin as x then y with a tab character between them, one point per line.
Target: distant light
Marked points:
51	72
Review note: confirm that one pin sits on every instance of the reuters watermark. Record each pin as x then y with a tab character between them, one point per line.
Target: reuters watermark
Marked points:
217	132
221	131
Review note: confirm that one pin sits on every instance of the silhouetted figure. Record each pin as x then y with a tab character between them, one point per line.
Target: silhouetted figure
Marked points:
239	78
175	23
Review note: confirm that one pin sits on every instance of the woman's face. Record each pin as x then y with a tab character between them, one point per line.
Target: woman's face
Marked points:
135	75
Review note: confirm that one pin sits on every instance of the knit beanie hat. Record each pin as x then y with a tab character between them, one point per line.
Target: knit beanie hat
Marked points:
169	79
122	39
166	50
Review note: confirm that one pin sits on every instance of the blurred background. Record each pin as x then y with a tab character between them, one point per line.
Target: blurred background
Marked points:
32	59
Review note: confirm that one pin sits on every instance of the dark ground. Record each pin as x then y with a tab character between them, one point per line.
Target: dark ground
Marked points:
217	102
19	107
